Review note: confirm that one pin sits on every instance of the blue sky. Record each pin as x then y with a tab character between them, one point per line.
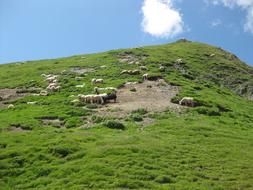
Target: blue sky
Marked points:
41	29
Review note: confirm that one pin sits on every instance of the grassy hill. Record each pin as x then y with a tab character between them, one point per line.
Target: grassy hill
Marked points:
51	142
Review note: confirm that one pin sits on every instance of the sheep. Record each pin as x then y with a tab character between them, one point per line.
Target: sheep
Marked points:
31	103
143	68
97	81
179	61
75	101
80	86
43	93
11	106
108	97
103	66
145	76
187	101
130	83
135	72
162	68
212	55
92	98
79	78
97	90
124	72
52	78
53	87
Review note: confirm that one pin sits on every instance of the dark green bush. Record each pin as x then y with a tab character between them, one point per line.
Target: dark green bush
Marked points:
114	124
137	117
62	150
208	111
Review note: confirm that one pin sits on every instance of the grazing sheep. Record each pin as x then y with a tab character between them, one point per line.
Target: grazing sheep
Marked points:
75	101
187	101
179	61
162	68
108	97
43	93
98	90
31	103
80	86
135	72
212	55
11	106
92	98
143	68
124	72
103	66
97	81
51	78
53	87
79	78
145	76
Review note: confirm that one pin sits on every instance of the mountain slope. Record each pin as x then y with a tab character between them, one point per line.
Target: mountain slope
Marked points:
51	142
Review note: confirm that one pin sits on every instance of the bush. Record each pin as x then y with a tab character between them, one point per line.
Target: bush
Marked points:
62	151
133	89
73	122
97	119
137	117
114	125
208	111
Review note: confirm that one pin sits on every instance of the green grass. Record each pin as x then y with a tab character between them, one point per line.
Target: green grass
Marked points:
207	147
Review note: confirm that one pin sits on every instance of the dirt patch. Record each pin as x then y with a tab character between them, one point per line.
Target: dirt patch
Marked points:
131	59
152	96
81	70
52	122
7	95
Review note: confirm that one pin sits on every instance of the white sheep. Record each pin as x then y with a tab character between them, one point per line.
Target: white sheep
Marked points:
11	106
43	93
98	90
124	72
31	103
179	61
187	101
51	78
97	81
143	68
145	76
162	68
80	86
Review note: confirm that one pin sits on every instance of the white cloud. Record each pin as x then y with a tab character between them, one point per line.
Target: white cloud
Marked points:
161	19
246	5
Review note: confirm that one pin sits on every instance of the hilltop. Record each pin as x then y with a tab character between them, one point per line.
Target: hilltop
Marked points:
50	139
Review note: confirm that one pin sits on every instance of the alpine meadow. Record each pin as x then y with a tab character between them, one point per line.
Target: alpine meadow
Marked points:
182	118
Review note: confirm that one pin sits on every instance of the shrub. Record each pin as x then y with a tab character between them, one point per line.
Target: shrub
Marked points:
73	122
97	119
133	89
208	111
163	179
137	118
114	125
62	151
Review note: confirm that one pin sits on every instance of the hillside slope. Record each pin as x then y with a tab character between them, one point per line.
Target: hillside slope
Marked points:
145	140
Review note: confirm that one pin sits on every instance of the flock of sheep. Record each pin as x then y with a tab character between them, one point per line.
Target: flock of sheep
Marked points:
102	98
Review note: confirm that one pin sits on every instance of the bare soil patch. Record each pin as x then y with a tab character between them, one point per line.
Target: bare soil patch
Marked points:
9	95
81	70
52	122
153	96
